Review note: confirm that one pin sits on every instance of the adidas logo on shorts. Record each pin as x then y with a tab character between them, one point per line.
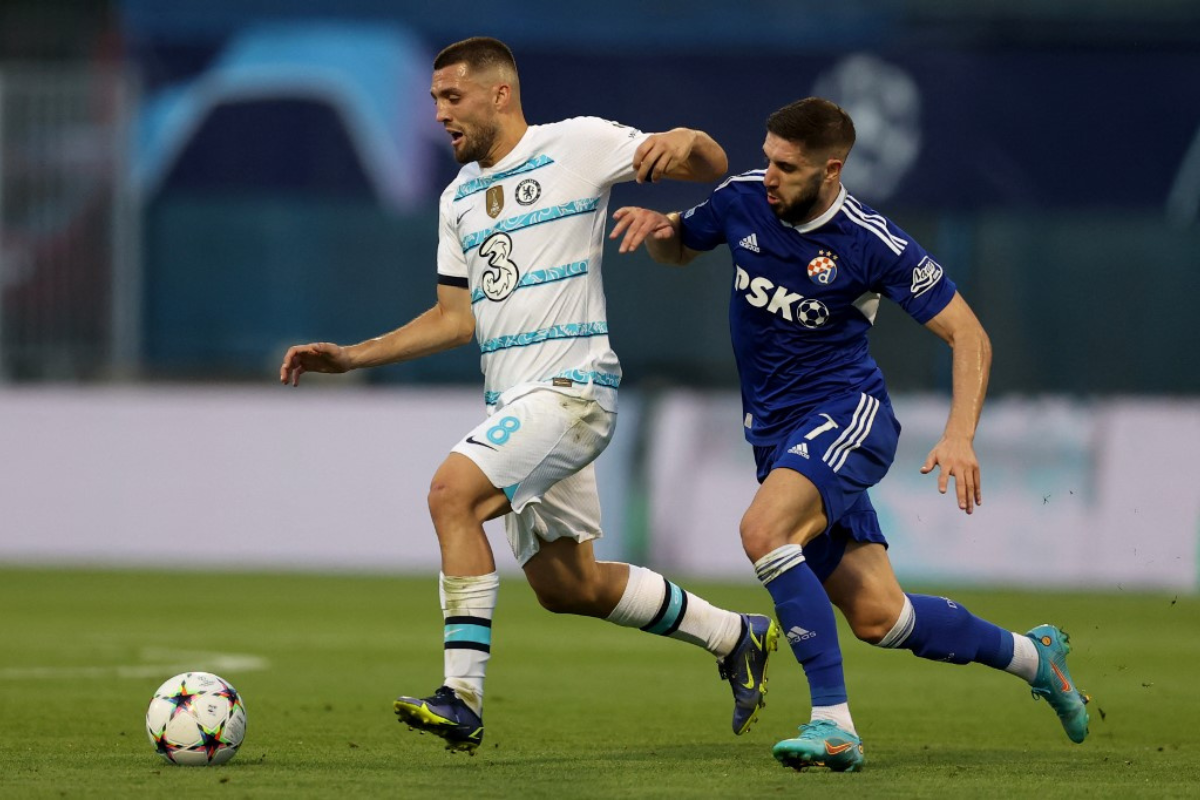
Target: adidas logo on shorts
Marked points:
750	243
800	450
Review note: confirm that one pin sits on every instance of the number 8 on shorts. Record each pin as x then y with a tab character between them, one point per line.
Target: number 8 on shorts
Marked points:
499	433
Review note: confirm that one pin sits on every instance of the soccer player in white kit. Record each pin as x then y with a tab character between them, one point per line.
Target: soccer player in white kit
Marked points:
521	235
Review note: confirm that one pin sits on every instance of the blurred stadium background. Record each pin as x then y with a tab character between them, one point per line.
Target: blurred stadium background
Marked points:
187	188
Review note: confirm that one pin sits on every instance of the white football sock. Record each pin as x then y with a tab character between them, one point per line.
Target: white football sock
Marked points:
655	605
467	606
1025	658
839	715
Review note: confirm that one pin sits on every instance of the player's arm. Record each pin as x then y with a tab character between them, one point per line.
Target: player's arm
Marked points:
448	324
658	231
681	154
958	326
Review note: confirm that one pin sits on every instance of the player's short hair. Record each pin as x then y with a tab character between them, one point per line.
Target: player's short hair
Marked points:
480	53
815	124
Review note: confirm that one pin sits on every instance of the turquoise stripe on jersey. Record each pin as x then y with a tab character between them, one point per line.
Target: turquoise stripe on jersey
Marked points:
577	375
591	376
574	330
670	619
465	632
541	276
584	205
479	184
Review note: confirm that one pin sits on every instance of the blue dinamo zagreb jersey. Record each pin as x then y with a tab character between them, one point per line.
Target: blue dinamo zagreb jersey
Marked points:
805	296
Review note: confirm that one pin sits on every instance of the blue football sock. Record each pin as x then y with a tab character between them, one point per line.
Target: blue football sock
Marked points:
943	630
806	615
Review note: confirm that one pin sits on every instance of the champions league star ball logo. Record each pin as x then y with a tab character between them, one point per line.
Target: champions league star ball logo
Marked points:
823	268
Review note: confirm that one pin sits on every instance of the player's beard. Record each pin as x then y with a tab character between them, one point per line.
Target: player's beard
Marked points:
800	209
477	144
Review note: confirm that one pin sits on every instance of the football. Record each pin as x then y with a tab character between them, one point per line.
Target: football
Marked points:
196	719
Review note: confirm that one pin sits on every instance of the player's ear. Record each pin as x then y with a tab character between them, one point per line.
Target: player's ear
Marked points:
501	96
833	169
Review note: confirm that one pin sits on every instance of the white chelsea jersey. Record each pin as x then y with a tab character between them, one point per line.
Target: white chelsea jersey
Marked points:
525	237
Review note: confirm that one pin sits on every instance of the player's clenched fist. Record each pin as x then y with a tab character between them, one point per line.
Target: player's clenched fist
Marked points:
663	152
315	357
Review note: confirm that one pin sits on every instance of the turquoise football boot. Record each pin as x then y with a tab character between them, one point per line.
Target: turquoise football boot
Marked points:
1053	681
821	743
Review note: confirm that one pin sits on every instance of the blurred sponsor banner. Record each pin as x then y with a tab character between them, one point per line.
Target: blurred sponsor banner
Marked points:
1096	495
1100	495
310	478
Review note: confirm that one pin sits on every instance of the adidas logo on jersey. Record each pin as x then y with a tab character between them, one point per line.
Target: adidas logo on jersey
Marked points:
750	243
800	450
798	634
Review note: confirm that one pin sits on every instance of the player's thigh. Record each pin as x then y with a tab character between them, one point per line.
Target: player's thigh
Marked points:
844	447
569	510
787	509
539	439
864	587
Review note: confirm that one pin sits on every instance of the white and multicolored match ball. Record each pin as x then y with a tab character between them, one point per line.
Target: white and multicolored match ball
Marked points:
196	719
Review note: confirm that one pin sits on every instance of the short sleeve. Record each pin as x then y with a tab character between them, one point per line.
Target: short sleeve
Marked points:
451	261
603	150
912	279
701	227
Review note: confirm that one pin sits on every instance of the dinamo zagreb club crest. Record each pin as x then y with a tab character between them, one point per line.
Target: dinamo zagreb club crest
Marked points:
823	268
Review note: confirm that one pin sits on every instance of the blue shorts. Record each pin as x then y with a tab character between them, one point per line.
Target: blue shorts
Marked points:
844	446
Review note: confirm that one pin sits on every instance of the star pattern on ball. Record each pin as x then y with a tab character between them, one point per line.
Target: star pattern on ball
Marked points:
230	694
182	699
210	740
161	745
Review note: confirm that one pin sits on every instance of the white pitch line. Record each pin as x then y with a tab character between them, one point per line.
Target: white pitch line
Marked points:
160	663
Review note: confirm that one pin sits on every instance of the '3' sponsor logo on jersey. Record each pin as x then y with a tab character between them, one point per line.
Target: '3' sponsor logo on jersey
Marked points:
501	275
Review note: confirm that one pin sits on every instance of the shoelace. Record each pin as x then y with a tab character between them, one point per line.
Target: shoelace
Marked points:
816	730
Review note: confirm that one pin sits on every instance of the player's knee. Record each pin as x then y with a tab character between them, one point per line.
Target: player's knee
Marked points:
440	498
871	623
759	539
451	501
871	629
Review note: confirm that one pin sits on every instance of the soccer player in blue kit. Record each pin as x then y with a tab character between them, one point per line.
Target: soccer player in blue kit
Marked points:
810	264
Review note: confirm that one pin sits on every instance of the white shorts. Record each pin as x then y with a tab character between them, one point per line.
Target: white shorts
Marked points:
538	449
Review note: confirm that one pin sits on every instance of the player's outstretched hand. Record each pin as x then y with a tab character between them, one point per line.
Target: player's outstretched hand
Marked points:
661	152
637	224
956	457
315	357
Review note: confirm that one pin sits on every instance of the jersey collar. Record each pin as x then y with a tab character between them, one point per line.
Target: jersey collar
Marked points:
813	224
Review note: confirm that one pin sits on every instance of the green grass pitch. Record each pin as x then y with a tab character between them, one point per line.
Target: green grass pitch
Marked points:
575	707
